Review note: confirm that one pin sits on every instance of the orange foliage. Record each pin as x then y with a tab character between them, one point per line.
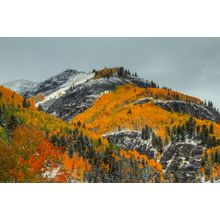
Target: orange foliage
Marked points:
9	97
76	166
106	72
117	110
38	98
167	94
36	156
141	157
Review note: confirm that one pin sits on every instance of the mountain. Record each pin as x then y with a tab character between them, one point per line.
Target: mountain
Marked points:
110	125
20	86
50	90
38	147
71	92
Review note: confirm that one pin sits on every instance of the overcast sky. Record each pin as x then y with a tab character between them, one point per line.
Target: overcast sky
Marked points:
190	65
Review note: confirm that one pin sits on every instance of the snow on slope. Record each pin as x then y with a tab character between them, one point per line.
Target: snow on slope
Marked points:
73	80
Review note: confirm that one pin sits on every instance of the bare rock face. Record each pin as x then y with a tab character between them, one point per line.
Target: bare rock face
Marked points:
132	140
195	110
83	96
182	159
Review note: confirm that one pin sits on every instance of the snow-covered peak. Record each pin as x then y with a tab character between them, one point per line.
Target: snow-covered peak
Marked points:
20	86
57	86
63	79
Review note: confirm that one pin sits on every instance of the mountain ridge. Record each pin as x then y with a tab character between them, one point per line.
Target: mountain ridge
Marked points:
21	85
114	120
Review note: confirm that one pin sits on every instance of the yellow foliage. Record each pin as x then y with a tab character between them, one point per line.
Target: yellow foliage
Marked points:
76	166
8	97
167	94
117	110
106	72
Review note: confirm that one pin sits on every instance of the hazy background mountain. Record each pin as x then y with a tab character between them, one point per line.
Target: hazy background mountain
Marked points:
20	86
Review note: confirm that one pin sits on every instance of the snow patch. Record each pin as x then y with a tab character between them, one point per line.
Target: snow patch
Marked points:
73	81
51	174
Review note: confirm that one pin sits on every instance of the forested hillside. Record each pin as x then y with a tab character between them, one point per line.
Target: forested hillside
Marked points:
107	126
37	147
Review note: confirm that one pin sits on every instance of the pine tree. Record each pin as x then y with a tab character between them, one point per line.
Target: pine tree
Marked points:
71	150
157	143
25	103
174	134
12	123
204	134
215	157
2	119
190	127
211	128
40	108
121	72
63	142
145	133
54	140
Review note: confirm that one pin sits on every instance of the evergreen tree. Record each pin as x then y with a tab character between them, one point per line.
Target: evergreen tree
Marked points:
40	108
215	157
12	123
121	72
174	134
198	129
63	142
54	140
145	133
157	143
25	103
204	134
211	128
190	127
71	150
2	119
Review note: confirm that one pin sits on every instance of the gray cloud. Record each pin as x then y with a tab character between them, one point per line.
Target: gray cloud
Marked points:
191	65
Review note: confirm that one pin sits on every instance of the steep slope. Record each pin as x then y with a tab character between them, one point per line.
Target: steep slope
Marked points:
37	147
121	129
122	108
21	86
71	92
121	116
55	87
83	96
